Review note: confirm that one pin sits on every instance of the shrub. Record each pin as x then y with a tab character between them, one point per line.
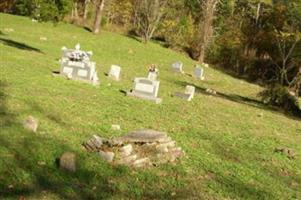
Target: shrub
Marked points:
280	96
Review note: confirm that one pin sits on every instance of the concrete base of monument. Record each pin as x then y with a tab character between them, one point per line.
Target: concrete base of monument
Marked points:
58	74
184	96
144	96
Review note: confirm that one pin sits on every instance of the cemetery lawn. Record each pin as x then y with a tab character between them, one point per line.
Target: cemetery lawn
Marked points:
229	139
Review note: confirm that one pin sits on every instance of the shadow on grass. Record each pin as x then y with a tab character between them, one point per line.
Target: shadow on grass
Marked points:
6	118
88	29
239	99
19	45
132	35
52	115
28	168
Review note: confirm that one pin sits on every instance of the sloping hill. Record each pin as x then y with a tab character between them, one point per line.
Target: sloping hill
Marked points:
229	139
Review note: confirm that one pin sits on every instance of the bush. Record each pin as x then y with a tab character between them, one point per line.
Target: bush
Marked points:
43	10
279	96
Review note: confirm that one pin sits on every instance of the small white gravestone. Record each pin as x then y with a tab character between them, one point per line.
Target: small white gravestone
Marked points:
146	89
177	67
199	72
188	94
190	90
115	72
152	76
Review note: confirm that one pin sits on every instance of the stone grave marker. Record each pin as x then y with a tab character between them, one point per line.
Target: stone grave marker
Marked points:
188	94
146	89
115	72
177	67
199	72
152	76
76	65
67	162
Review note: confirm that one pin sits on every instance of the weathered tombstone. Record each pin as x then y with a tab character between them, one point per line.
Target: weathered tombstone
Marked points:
146	89
115	72
199	72
67	161
188	94
177	67
106	155
76	65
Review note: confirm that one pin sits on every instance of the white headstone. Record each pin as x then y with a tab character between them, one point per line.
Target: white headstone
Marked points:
115	72
152	76
190	90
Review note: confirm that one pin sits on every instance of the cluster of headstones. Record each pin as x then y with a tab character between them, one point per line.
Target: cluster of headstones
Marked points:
76	64
140	148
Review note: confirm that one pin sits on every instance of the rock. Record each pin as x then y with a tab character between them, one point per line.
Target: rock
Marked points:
144	136
31	124
142	162
211	91
127	160
94	143
167	144
67	162
126	150
162	149
116	127
107	156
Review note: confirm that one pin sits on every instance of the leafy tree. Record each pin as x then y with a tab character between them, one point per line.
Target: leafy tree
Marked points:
43	10
147	16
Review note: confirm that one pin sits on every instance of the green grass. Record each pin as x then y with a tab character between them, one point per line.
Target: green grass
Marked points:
228	139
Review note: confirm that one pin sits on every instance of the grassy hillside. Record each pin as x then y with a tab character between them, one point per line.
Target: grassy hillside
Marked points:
229	139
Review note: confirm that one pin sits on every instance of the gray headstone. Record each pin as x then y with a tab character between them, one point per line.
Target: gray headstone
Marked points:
146	89
107	156
199	72
177	67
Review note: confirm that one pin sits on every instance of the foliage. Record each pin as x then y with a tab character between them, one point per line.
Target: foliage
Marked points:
278	95
43	10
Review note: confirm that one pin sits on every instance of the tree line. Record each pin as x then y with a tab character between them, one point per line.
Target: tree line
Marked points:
259	40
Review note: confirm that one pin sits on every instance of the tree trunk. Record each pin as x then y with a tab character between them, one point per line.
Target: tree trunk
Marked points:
208	9
258	12
98	16
86	9
75	11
